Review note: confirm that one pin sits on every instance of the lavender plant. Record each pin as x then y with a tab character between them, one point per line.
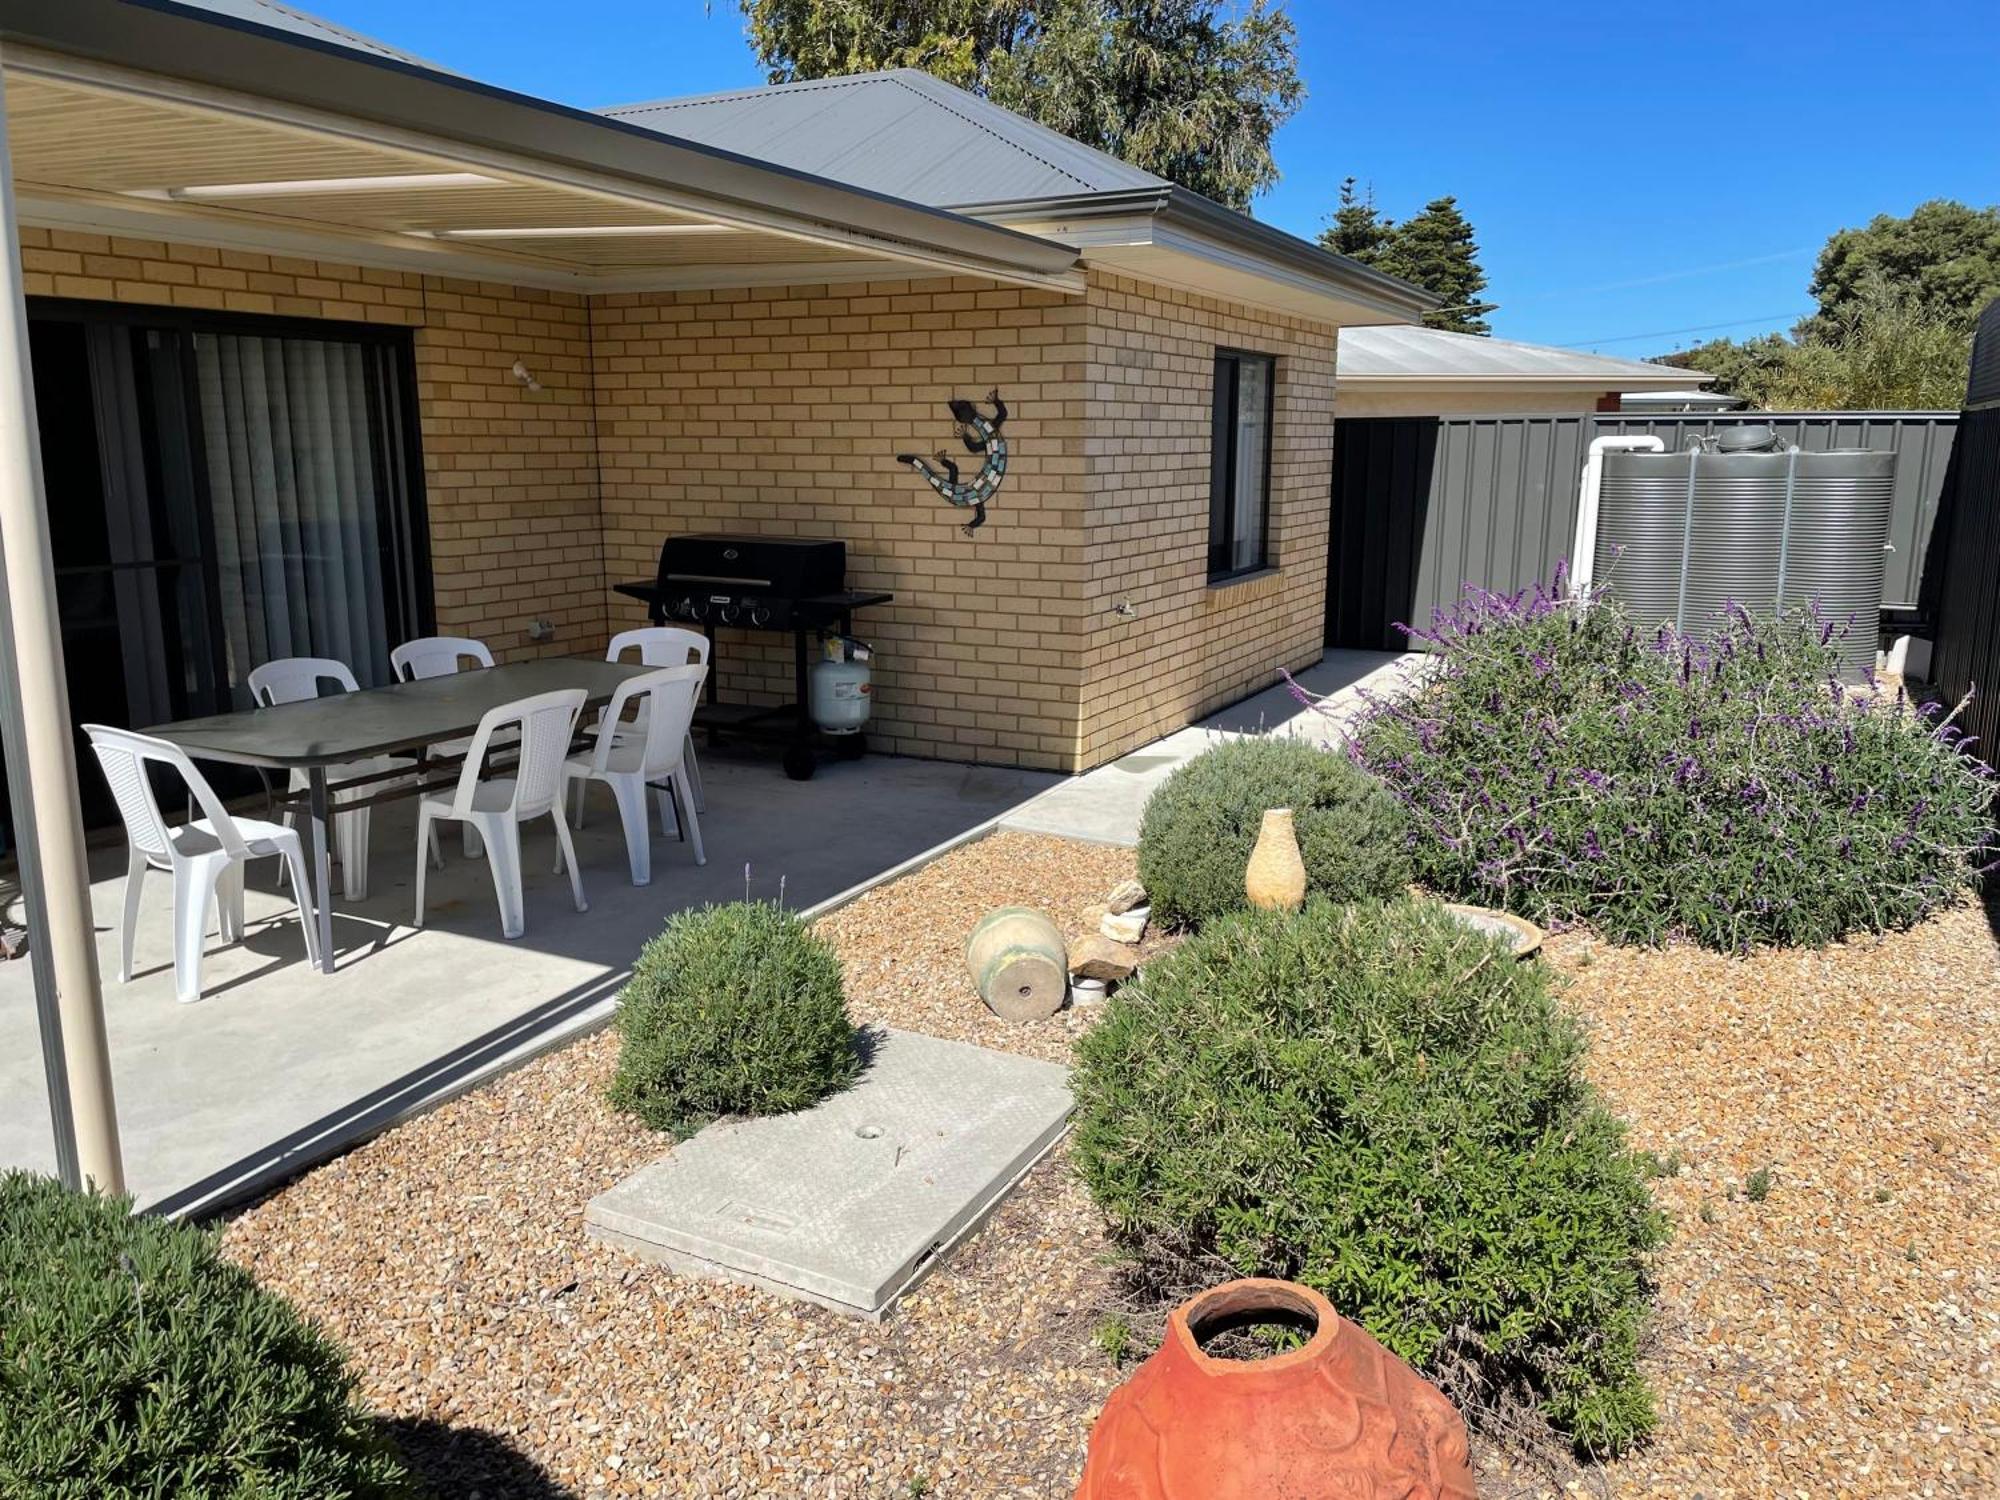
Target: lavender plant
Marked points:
1559	761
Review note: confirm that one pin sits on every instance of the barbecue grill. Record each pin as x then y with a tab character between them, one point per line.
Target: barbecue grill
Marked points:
784	584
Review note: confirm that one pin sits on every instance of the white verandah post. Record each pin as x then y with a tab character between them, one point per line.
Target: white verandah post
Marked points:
55	876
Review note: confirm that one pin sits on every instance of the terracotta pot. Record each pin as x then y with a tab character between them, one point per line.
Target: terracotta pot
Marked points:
1340	1417
1275	878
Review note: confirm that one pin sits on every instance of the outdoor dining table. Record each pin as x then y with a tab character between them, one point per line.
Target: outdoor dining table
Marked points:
318	734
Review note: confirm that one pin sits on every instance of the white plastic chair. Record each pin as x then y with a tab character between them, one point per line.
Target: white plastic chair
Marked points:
296	679
497	807
441	656
661	646
205	857
649	749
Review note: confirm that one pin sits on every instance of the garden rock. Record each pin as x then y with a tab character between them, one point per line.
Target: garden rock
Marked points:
1124	896
1125	926
1095	956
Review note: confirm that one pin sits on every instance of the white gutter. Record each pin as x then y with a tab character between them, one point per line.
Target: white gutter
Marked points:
1583	547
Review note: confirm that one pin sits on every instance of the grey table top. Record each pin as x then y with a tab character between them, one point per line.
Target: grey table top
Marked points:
402	716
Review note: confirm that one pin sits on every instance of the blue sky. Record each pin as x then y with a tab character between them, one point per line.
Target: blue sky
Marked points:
1635	173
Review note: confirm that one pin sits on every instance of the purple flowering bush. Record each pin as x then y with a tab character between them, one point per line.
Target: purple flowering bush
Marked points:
1730	790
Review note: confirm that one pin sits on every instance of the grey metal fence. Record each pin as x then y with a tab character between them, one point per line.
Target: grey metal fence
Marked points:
1424	505
1964	579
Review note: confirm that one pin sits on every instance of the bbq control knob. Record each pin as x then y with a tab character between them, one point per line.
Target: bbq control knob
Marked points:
690	609
729	614
760	614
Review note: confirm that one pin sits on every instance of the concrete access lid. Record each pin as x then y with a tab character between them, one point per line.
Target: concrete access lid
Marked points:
849	1203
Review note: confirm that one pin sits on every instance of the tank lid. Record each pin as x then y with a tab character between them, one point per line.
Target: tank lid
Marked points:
1747	439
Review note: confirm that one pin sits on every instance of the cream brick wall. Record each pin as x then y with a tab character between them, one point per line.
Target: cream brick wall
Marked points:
781	411
1189	647
510	475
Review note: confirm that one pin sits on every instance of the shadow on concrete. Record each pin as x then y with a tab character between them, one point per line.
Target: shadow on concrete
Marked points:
470	1461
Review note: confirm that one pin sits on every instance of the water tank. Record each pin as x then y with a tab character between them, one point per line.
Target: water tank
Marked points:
1692	532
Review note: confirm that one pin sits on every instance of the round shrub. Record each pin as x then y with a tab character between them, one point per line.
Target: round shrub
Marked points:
1202	823
732	1010
1380	1102
135	1361
1727	789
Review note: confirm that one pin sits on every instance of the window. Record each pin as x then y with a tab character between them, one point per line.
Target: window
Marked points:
1239	493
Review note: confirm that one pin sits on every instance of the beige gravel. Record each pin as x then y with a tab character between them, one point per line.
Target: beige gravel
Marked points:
1837	1338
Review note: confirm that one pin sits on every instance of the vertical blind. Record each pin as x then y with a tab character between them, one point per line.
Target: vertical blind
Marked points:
295	478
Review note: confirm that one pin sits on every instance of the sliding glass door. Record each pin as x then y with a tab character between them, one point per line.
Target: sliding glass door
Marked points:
223	491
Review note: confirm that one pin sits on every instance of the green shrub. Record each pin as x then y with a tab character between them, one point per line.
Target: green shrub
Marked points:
1729	790
734	1009
135	1361
1381	1103
1202	823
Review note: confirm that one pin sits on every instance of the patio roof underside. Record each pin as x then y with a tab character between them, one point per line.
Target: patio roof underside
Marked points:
114	150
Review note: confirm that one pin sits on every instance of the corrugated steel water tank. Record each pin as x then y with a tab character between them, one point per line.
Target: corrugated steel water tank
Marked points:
1681	535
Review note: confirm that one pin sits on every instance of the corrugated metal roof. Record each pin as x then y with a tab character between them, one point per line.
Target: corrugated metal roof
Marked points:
302	23
1400	353
902	133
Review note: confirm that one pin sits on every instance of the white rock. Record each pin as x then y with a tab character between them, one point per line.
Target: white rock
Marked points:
1126	926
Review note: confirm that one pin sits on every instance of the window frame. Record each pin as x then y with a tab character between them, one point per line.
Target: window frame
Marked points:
1225	438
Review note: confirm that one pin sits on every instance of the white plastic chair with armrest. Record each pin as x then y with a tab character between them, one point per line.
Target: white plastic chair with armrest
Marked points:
297	679
205	857
660	646
648	750
498	806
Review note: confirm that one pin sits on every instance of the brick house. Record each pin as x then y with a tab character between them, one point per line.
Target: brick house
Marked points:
474	354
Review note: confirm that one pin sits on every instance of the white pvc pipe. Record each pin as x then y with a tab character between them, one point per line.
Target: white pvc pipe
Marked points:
1583	546
43	697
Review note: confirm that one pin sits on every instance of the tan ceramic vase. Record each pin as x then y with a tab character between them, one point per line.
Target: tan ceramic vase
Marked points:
1338	1418
1275	878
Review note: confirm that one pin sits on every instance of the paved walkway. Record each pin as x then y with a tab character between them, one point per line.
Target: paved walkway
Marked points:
1103	806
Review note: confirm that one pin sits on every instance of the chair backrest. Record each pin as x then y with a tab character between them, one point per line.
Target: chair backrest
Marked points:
437	656
124	755
660	646
666	701
295	679
547	722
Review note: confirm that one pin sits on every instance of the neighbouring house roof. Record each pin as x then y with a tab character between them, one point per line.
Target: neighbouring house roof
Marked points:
286	18
1431	355
901	132
912	136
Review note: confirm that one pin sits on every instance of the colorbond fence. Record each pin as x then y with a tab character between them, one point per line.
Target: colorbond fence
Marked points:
1424	505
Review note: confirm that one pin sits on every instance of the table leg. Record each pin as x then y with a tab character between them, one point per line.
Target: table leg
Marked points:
322	869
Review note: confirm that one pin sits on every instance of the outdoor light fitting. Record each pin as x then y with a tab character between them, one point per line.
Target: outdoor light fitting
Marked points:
578	231
308	186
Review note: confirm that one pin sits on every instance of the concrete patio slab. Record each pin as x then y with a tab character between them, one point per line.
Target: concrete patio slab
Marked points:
278	1067
850	1203
1104	806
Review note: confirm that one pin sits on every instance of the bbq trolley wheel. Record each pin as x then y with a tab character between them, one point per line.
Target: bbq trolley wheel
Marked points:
800	762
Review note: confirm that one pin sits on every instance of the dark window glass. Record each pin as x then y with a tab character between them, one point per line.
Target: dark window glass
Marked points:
1239	492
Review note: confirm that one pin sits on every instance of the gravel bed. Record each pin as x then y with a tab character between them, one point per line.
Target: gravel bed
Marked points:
1836	1337
1839	1336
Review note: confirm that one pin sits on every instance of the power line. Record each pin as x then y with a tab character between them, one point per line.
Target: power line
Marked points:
1633	338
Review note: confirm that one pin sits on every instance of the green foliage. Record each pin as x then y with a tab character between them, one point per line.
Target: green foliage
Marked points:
1177	87
1434	250
1728	790
735	1009
136	1362
1943	260
1897	303
1757	1186
1380	1102
1202	822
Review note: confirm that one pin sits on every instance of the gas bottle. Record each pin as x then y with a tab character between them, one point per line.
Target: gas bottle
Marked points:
840	689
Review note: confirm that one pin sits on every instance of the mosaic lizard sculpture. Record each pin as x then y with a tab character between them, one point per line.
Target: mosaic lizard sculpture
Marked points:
980	434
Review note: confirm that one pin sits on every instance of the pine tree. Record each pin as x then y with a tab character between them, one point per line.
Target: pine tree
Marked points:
1436	251
1357	230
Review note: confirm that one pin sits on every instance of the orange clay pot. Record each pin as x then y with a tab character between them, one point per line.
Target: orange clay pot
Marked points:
1339	1419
